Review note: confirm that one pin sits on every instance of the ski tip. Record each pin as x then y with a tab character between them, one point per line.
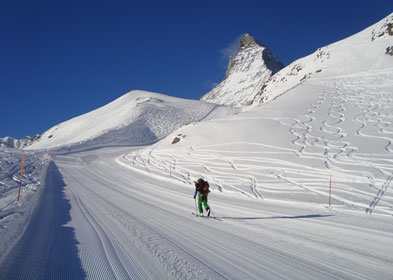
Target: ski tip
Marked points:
199	215
207	217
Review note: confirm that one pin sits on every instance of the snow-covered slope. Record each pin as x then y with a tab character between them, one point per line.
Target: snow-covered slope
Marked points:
364	51
249	81
248	70
136	118
140	117
333	122
127	212
287	149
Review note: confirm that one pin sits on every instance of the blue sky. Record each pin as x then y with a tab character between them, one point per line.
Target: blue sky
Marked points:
61	59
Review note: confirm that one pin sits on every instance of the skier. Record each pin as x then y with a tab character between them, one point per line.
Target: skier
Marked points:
202	188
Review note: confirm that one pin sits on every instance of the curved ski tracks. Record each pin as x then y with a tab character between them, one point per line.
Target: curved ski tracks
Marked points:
132	226
353	108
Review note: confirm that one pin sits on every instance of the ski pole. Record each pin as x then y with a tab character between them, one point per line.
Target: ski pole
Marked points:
196	212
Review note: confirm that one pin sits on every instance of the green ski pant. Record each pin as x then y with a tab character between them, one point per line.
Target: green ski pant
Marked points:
202	199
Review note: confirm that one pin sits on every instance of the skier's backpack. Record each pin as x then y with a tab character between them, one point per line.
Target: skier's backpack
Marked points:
202	187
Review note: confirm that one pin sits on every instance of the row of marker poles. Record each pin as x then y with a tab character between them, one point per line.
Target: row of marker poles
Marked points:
21	176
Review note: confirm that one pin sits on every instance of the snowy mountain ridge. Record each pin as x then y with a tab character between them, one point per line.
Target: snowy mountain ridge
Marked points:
10	142
364	51
253	77
334	118
370	49
136	118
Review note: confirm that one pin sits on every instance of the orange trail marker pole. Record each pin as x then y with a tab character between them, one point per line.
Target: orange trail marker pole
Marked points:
21	176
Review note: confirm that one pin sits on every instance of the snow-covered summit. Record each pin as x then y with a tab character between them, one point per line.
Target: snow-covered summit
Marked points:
254	74
247	71
136	118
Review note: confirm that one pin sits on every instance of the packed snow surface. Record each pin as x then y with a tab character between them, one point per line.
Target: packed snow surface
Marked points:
126	213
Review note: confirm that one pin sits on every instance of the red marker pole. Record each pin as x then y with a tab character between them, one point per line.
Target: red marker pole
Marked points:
330	190
21	176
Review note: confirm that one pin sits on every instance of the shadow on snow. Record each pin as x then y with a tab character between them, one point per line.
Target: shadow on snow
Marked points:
278	217
48	248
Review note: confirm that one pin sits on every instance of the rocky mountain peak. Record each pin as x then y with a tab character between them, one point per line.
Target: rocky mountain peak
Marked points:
248	41
247	71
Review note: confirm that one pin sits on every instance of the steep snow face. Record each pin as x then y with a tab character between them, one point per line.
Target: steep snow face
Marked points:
137	118
367	50
248	70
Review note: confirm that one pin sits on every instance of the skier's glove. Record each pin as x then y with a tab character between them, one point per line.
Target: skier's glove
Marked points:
194	196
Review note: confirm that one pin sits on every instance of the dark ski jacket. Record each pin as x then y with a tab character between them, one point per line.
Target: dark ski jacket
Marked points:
202	187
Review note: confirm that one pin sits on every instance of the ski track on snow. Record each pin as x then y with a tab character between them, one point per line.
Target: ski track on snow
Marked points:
132	226
358	175
130	208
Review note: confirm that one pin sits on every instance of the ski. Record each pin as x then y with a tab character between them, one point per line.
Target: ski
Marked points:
206	217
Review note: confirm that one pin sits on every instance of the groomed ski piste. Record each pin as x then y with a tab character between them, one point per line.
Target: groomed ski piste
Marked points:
103	209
